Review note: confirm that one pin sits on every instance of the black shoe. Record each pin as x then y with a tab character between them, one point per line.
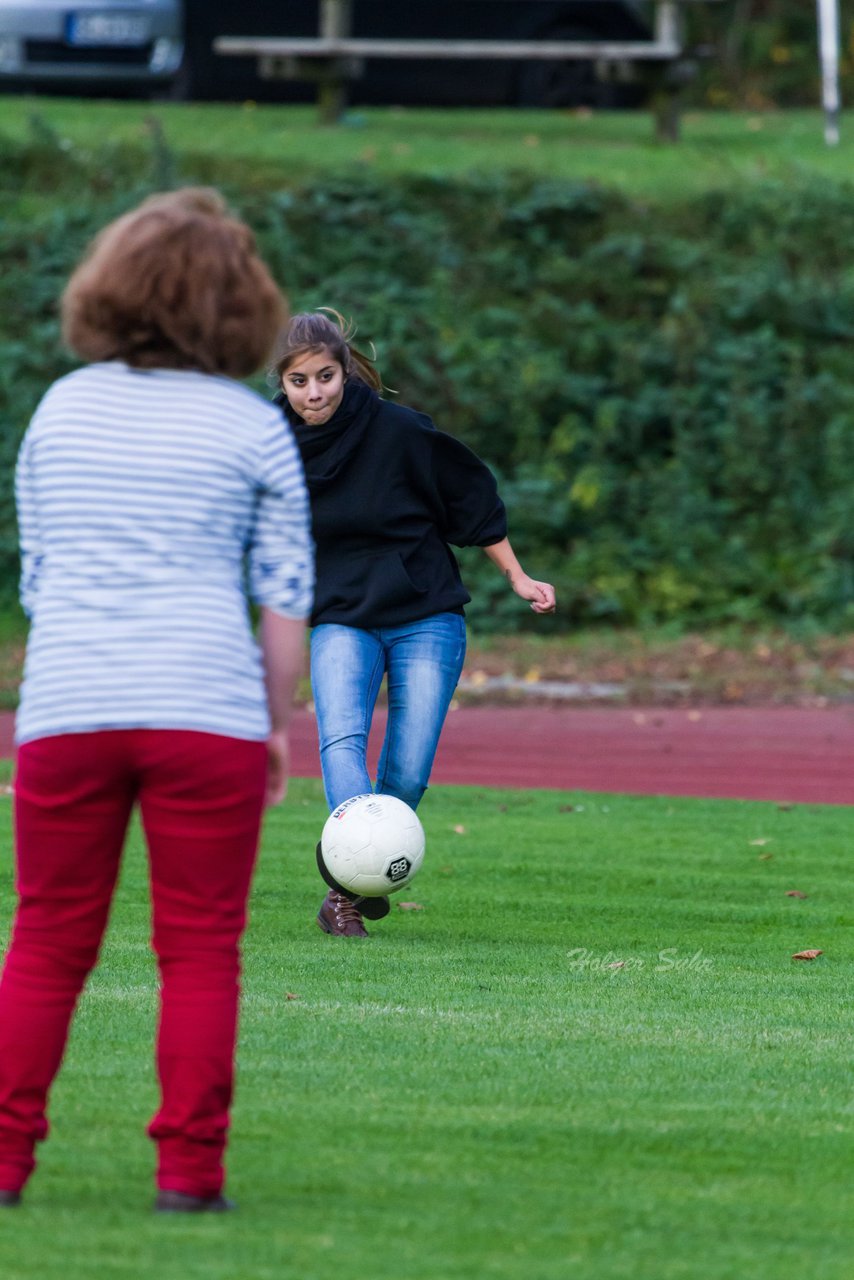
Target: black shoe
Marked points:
8	1199
370	908
181	1202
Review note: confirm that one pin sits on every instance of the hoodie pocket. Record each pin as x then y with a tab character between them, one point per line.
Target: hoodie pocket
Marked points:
365	589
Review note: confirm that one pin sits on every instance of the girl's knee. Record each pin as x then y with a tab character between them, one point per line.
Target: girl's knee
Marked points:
410	791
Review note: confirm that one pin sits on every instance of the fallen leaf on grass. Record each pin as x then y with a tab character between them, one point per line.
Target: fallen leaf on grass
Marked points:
566	808
807	955
618	964
409	906
291	995
761	841
765	857
460	829
795	893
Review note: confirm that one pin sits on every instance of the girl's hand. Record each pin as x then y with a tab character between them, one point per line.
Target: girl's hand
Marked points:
540	594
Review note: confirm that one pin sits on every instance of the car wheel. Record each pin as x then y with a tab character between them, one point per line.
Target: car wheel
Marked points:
566	82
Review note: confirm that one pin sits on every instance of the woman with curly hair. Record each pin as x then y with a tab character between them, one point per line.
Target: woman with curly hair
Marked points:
149	484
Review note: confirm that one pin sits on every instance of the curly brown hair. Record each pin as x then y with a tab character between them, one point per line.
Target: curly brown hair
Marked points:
176	283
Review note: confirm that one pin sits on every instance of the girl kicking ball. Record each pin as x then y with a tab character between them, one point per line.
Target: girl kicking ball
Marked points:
388	494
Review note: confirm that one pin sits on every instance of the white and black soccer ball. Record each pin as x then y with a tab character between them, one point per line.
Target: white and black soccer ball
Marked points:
371	845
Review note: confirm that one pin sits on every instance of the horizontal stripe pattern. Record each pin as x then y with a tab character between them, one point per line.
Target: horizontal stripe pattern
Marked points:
151	505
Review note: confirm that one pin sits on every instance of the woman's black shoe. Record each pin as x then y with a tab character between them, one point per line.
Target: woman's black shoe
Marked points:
8	1199
370	908
181	1202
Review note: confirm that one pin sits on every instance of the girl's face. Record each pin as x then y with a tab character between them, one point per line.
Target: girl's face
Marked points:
314	385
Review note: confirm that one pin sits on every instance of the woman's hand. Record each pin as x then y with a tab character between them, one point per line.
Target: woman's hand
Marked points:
282	646
540	594
278	764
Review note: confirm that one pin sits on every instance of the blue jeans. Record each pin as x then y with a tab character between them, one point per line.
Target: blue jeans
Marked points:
423	661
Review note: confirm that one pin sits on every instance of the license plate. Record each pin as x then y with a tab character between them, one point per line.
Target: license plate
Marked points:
92	29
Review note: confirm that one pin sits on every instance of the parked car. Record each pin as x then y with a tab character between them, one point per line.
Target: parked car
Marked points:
117	44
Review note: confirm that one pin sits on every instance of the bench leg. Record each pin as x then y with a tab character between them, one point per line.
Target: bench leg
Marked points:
667	83
332	99
666	115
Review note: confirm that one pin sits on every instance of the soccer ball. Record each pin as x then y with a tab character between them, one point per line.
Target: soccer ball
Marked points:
371	845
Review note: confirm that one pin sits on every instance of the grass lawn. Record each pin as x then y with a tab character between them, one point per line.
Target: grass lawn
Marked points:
589	1054
263	145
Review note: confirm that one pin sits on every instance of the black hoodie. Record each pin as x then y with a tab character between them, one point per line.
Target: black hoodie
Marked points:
388	493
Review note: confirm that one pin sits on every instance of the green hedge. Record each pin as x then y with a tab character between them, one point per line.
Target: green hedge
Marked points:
666	392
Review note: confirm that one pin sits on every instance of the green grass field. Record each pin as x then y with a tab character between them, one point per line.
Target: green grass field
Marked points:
261	145
589	1054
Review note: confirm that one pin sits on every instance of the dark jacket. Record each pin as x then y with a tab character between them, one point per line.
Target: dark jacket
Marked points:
388	493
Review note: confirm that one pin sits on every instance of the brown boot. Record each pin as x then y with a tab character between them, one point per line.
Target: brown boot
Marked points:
338	915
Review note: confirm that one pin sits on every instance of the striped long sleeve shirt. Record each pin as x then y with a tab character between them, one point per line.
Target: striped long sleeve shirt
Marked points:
152	504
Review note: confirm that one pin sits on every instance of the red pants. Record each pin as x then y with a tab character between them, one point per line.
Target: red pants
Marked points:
201	798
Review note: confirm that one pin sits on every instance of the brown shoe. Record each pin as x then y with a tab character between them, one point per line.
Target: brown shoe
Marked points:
339	916
181	1202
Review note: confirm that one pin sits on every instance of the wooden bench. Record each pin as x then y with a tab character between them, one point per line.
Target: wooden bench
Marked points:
334	57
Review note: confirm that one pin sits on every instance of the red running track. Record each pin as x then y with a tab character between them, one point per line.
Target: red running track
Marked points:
786	754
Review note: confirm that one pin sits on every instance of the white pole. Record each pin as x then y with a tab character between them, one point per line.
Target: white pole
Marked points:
828	23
